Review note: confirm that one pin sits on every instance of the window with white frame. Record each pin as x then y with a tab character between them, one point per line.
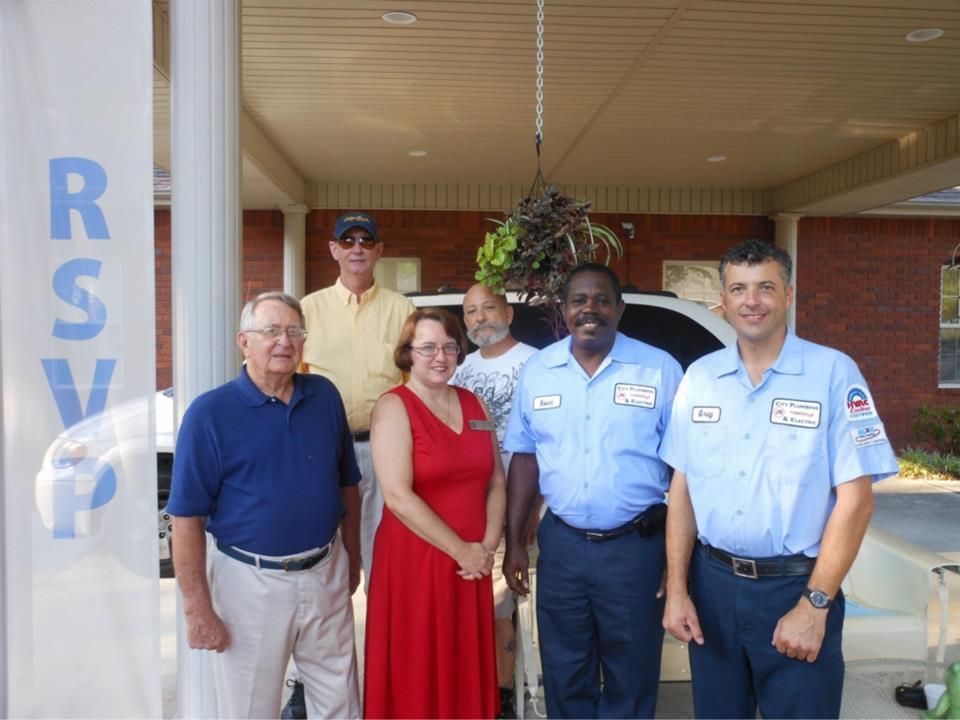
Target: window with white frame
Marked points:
398	273
697	280
950	326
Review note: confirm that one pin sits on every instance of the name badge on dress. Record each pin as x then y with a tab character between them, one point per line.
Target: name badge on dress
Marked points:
481	425
705	414
796	413
546	402
643	396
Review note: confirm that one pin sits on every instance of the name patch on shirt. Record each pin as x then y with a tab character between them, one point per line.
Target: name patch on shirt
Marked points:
634	395
860	404
705	414
482	425
546	402
868	435
796	413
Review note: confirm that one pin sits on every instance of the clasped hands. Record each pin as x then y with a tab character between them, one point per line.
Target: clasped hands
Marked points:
475	561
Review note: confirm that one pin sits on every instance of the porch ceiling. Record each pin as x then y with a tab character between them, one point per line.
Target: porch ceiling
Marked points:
638	93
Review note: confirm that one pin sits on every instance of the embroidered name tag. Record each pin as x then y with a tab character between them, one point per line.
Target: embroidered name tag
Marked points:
868	435
705	414
546	402
481	425
634	395
796	413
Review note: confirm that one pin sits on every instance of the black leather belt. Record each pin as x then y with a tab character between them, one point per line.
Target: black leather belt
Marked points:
648	523
362	436
289	565
770	567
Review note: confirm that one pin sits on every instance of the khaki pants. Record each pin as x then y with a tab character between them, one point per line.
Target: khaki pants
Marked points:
271	614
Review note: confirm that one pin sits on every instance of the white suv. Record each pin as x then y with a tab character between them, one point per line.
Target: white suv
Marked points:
685	329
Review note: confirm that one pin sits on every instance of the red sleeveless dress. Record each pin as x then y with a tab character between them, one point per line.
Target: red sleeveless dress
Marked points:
430	647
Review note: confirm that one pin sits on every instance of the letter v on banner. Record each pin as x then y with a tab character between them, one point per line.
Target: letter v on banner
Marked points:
67	502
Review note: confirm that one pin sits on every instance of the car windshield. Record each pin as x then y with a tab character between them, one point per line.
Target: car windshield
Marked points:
665	328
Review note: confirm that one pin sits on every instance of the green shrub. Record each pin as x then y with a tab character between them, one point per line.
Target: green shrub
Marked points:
917	463
939	427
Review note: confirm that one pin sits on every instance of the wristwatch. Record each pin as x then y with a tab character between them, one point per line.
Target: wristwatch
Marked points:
818	598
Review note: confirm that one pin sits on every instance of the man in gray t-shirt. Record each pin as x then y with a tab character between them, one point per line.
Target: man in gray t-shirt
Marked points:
491	372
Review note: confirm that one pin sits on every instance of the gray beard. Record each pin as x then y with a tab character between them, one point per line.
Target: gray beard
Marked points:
487	339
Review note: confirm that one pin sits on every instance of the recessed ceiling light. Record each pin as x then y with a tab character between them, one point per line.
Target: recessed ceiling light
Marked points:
716	158
399	17
417	153
924	35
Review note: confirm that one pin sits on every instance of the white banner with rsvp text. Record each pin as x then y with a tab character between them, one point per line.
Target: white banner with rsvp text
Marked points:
78	489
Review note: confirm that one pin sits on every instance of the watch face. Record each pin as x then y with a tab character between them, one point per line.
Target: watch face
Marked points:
819	599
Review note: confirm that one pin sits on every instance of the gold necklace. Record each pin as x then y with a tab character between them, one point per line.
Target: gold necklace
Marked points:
444	417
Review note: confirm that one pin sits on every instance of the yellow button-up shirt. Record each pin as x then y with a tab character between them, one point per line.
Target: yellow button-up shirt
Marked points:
352	344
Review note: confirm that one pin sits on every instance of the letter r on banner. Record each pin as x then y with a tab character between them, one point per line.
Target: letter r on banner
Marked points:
62	201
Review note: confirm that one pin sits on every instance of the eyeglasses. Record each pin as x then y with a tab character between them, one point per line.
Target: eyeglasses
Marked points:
272	332
365	242
430	350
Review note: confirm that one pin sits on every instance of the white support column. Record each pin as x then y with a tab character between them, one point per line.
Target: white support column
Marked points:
294	249
785	238
206	239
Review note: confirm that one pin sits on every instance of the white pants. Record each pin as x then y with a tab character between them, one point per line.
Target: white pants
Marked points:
271	614
371	508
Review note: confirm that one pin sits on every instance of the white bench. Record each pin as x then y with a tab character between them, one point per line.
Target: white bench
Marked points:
889	590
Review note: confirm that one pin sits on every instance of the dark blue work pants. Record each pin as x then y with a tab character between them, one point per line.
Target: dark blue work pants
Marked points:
737	668
599	620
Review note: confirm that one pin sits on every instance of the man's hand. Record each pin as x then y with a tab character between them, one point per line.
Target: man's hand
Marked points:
799	633
516	564
680	619
206	631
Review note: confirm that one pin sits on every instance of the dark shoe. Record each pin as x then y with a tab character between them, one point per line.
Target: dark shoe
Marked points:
296	707
508	708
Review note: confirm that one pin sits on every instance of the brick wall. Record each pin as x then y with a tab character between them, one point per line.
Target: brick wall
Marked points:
866	286
162	288
445	241
262	270
870	287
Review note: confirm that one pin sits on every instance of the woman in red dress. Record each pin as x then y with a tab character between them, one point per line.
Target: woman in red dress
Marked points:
430	648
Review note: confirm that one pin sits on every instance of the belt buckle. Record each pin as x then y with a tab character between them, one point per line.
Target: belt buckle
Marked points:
745	568
593	536
292	561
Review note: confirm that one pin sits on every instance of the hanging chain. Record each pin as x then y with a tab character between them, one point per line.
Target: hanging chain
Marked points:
539	183
539	72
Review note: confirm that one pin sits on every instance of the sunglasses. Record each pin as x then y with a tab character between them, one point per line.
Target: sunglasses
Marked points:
365	242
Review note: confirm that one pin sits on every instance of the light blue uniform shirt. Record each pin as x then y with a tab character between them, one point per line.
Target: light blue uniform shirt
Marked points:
596	438
762	462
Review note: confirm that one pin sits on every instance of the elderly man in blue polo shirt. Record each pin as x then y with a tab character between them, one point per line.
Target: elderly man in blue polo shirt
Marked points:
775	442
586	424
265	465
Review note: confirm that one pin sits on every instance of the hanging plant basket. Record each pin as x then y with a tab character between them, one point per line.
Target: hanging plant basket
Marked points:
538	244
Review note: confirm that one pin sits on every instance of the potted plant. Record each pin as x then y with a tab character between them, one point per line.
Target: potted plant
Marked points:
538	244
